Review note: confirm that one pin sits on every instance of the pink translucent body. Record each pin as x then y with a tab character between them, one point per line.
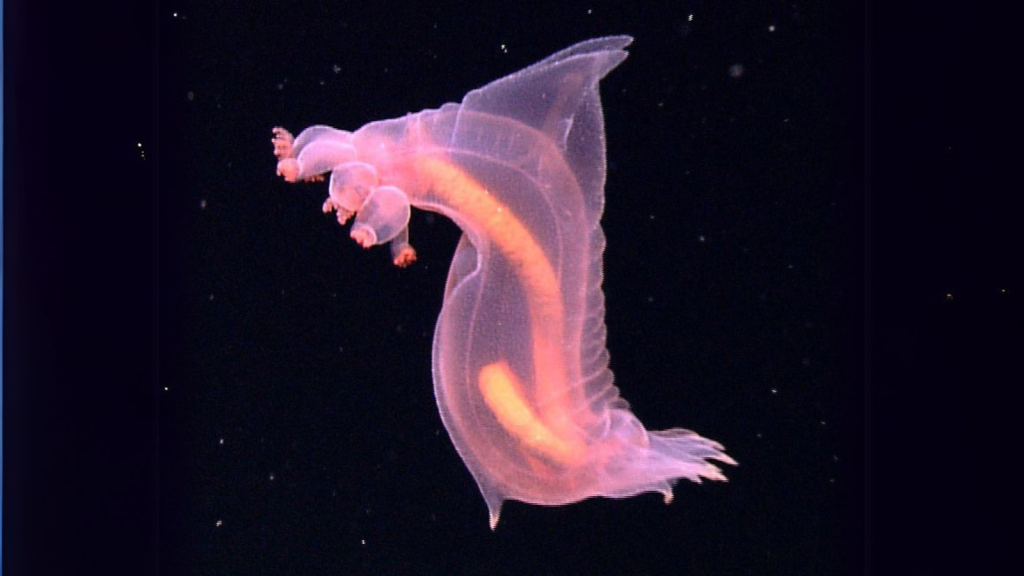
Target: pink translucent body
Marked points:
519	165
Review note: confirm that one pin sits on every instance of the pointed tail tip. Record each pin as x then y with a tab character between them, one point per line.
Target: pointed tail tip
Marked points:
494	502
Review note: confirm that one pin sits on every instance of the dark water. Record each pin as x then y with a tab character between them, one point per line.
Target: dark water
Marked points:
206	376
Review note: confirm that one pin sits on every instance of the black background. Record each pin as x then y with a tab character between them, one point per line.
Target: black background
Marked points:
812	263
